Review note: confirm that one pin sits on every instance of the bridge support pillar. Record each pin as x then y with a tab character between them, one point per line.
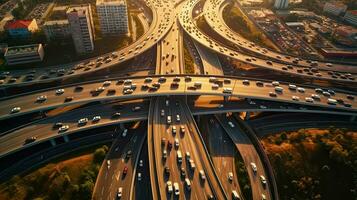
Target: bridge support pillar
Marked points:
226	98
247	116
198	118
53	142
353	118
121	125
66	139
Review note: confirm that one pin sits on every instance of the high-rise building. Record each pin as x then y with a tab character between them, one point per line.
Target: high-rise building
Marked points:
81	27
56	29
335	8
281	4
113	16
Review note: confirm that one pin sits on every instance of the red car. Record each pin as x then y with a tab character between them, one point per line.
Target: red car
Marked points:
125	171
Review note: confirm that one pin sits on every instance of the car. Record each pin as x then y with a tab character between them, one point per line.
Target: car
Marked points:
30	139
231	124
275	83
272	94
279	89
192	164
230	176
182	129
125	170
57	125
68	99
96	118
136	108
141	163
162	112
15	110
82	122
139	176
173	129
163	141
295	98
263	180
202	175
263	197
168	119
188	184
259	83
235	195
350	97
169	187
246	82
177	189
301	90
254	167
331	101
177	144
292	87
227	90
125	132
167	171
106	83
326	94
177	118
59	91
119	192
63	128
183	172
41	98
116	115
164	154
315	96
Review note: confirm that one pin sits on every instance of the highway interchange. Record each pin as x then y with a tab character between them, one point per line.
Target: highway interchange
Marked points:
155	117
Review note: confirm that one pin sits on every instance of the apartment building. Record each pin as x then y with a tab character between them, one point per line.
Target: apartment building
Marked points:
113	16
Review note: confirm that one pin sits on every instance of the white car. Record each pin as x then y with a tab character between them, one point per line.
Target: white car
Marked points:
139	176
169	187
254	167
83	121
162	112
279	89
96	119
42	98
301	90
230	176
107	83
202	175
231	124
263	180
120	192
295	98
141	163
275	83
177	118
177	189
16	110
177	144
63	128
292	87
59	91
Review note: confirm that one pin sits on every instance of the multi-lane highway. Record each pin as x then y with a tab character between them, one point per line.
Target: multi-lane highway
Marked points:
46	129
213	13
141	87
163	18
119	167
249	155
191	28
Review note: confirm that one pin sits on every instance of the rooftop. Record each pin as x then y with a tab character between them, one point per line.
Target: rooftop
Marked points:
17	50
353	12
15	24
56	22
110	2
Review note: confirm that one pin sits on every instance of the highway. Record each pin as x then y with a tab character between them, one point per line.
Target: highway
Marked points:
222	152
186	144
213	13
249	155
210	62
43	129
190	27
111	175
163	18
113	91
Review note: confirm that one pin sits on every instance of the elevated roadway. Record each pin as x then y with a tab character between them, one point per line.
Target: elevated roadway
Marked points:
163	18
213	13
249	155
253	90
43	129
191	28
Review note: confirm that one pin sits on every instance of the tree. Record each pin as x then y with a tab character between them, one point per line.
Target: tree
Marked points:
99	155
85	190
